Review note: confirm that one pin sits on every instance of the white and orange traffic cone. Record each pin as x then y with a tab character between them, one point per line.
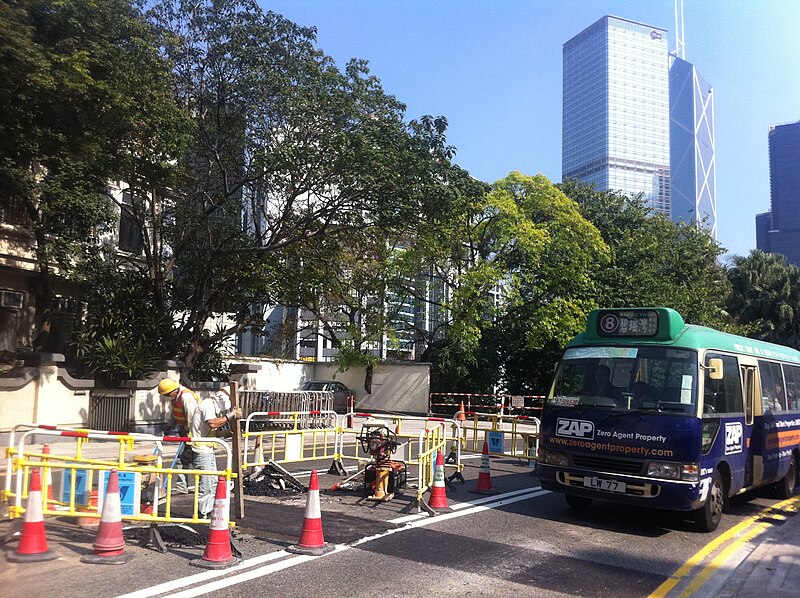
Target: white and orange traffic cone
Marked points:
438	498
312	542
462	415
218	554
109	544
32	542
484	485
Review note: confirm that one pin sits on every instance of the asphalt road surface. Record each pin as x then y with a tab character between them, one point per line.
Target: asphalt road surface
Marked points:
519	541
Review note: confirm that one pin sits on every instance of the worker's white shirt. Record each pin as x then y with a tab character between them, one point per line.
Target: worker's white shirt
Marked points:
206	410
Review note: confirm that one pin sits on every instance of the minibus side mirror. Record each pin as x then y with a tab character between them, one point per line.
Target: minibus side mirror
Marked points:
714	368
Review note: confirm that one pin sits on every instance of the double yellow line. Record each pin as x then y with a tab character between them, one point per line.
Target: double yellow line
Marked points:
735	538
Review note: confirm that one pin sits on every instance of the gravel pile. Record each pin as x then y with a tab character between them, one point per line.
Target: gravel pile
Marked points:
271	483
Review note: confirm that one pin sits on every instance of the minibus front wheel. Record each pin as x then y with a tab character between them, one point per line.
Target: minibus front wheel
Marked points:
578	503
708	516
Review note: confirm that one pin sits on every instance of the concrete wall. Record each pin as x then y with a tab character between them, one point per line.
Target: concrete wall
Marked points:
44	393
401	387
396	387
271	374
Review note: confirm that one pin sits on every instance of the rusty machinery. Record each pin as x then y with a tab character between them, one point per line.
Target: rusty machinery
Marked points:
383	477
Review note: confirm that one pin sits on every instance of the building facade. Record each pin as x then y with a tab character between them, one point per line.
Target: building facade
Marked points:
616	122
693	184
778	231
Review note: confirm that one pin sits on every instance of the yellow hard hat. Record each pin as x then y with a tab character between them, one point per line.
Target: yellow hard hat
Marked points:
167	386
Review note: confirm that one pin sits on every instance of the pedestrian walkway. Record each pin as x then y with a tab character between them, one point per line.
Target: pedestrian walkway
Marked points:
769	566
760	556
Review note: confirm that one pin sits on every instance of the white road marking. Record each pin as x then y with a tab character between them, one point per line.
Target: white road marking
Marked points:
411	522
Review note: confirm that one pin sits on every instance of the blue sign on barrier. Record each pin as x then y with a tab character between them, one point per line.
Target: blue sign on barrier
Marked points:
130	491
495	442
81	487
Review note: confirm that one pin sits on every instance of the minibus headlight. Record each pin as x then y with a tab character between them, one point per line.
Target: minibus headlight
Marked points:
664	469
551	457
690	472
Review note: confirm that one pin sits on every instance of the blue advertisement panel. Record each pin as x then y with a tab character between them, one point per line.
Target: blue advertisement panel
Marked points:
82	490
495	442
130	491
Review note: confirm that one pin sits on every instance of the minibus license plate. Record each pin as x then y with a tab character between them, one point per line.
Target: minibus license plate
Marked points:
607	485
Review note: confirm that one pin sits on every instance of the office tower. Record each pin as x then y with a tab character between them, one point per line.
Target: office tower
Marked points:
693	192
778	231
616	109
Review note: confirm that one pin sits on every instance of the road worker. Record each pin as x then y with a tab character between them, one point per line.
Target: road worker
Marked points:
197	418
183	401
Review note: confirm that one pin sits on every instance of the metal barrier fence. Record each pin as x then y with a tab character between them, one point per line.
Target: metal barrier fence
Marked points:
449	403
508	436
140	482
332	436
305	436
301	401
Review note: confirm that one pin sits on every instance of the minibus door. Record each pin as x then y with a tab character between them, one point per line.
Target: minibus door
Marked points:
750	387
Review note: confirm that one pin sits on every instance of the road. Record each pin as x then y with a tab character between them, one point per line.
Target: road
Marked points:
521	540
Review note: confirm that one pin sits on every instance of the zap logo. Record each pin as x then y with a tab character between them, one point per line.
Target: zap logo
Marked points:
575	428
733	438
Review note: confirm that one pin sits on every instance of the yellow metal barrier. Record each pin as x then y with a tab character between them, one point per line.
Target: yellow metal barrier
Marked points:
518	436
294	442
451	431
432	441
138	479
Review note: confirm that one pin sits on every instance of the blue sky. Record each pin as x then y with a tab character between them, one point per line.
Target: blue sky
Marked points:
493	68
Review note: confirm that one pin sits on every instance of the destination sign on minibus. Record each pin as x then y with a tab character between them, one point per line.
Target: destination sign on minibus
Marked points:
632	322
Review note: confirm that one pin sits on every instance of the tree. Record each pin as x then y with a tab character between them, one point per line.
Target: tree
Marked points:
364	289
72	76
765	297
551	252
518	279
653	261
306	152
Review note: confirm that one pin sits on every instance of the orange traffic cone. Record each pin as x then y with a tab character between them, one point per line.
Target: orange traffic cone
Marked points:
438	498
32	543
218	554
109	545
47	478
484	485
462	415
89	523
312	541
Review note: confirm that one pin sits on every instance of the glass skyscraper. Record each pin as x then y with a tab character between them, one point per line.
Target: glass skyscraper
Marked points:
616	122
693	193
778	231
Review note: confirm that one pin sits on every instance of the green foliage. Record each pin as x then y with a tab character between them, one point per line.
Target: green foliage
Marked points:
521	282
765	297
262	173
654	261
317	158
124	332
70	80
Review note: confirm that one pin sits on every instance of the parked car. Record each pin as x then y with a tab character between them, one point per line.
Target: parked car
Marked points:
341	393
